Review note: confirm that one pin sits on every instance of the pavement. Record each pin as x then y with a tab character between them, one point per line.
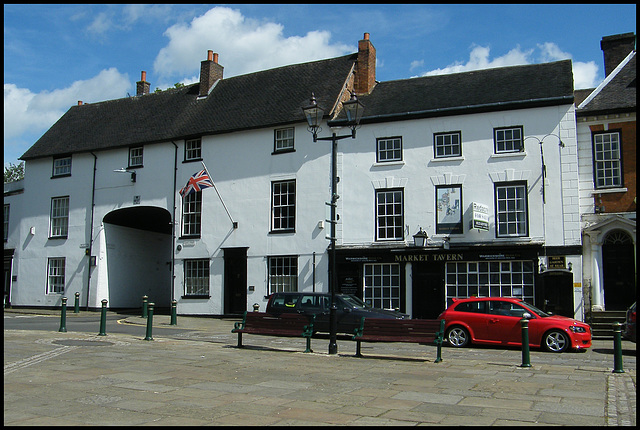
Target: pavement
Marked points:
199	377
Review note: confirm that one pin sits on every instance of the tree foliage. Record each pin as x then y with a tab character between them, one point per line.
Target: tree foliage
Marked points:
14	172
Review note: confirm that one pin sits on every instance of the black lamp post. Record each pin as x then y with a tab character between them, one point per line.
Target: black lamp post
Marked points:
314	114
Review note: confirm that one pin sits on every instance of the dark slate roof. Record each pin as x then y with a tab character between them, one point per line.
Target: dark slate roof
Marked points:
477	91
263	99
619	95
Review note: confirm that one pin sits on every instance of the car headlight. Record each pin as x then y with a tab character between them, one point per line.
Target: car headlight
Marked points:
577	329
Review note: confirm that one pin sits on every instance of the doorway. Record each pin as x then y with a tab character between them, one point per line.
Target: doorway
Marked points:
557	292
428	290
235	280
618	266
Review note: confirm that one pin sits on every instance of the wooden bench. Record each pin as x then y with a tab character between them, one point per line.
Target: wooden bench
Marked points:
392	330
284	325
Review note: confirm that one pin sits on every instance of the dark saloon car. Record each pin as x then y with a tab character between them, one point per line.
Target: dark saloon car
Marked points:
349	312
496	321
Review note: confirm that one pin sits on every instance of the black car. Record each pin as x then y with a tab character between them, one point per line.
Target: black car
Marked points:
350	309
629	331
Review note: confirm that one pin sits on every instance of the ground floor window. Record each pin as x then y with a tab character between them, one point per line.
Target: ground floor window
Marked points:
196	277
283	274
382	285
490	279
55	278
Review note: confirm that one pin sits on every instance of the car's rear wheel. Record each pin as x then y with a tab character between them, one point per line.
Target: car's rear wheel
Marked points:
458	337
556	341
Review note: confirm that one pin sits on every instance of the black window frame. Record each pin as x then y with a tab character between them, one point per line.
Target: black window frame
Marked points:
510	151
378	215
595	162
498	212
393	150
457	133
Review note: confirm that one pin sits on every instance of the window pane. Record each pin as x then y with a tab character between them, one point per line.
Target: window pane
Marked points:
511	210
390	217
283	274
283	210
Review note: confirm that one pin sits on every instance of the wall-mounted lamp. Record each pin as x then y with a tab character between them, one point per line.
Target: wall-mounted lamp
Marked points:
123	170
420	238
570	266
445	243
542	267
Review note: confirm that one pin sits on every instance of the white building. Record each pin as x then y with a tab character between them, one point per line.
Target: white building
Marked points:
459	156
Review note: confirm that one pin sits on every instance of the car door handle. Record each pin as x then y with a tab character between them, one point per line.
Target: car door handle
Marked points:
494	320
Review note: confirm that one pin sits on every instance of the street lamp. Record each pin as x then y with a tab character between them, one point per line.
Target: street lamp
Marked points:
420	238
314	114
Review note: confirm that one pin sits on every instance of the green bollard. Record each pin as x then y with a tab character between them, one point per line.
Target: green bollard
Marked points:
76	306
63	316
149	322
174	312
145	299
526	361
103	319
617	348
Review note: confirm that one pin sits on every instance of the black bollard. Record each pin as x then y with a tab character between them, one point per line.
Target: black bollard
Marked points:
76	307
149	322
617	348
103	319
526	361
174	312
63	316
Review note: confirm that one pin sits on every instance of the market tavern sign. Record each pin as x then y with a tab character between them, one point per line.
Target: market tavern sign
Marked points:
430	257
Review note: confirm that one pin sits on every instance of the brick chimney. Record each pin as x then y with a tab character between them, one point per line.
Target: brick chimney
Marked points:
366	67
142	86
615	49
210	72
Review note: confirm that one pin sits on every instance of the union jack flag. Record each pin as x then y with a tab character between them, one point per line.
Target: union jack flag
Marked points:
197	182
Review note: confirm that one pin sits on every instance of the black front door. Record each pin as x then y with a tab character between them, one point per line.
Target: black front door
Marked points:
235	280
557	293
428	290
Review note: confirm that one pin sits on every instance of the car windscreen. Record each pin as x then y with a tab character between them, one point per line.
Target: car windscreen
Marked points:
353	301
542	314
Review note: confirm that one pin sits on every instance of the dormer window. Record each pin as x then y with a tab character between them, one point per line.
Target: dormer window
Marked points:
62	166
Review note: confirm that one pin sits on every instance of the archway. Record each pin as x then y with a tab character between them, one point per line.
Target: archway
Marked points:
618	265
138	252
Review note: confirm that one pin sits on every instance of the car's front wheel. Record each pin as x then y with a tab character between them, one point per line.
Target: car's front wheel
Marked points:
556	341
458	336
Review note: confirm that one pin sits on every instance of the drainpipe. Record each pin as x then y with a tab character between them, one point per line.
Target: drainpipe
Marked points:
173	222
93	200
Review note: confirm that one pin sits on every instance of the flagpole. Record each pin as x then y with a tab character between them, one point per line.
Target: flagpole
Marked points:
235	224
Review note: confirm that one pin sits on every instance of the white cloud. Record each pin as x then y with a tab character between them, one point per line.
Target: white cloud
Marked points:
585	75
34	113
245	45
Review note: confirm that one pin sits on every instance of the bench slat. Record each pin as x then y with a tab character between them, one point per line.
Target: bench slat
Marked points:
285	325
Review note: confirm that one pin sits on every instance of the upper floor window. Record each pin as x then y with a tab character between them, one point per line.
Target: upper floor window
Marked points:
283	140
135	156
62	166
192	214
283	206
607	159
389	149
6	223
59	217
511	210
193	149
508	139
283	274
389	215
447	144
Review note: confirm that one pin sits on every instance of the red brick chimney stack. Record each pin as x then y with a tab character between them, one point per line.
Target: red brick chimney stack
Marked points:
615	49
210	72
142	86
366	66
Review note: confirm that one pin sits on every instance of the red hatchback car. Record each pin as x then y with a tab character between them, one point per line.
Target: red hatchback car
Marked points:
496	321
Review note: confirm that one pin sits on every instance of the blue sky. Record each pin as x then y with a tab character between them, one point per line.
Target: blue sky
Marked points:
55	55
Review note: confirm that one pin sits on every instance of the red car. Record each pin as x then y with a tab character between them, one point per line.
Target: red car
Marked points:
496	321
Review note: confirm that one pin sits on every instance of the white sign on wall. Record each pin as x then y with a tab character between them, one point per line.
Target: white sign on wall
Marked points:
479	216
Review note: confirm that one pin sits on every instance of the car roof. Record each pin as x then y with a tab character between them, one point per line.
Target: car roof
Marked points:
483	299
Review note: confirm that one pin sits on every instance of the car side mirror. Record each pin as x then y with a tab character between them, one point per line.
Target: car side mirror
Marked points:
347	309
526	315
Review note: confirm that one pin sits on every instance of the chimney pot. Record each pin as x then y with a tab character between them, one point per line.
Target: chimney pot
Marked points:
366	36
209	55
142	86
79	102
215	57
143	76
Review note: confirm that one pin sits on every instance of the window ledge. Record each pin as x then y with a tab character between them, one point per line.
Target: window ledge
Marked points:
196	296
389	163
441	159
509	154
608	191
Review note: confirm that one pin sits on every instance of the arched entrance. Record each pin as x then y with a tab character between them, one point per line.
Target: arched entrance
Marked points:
138	253
618	266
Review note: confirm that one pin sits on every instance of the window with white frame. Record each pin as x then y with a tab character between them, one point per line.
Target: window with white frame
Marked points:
62	166
382	285
135	156
447	144
389	214
283	206
508	139
193	149
59	222
283	140
283	274
490	279
511	209
389	149
192	214
607	157
196	277
55	275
